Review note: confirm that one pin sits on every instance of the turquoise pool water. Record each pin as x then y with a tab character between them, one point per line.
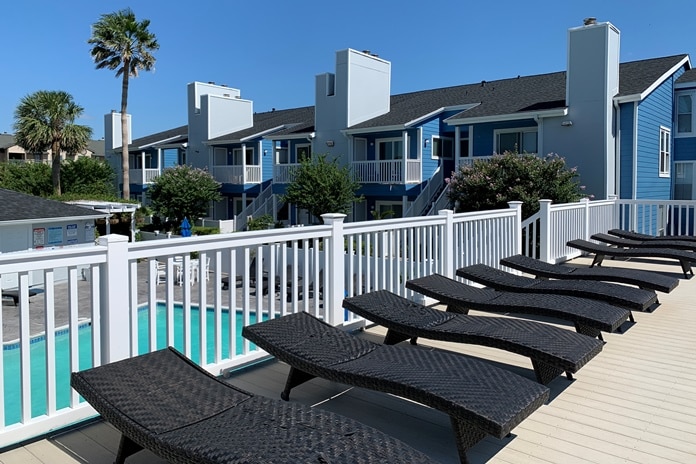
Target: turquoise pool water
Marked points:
38	355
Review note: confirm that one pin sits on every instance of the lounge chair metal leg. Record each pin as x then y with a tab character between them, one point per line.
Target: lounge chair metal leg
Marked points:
126	447
295	377
569	375
597	261
686	268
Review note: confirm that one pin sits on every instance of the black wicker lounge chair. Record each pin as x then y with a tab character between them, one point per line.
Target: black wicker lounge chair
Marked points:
638	236
642	279
552	350
634	243
480	398
622	295
163	402
14	294
685	258
590	317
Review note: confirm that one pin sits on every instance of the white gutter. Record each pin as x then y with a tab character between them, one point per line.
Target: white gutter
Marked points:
509	117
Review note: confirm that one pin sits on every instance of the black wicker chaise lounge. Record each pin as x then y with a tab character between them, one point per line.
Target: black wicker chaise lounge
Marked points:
480	398
163	402
685	258
643	279
634	243
638	236
590	317
553	350
622	295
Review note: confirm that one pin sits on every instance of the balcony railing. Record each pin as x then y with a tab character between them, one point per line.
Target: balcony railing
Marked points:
239	175
387	172
118	299
143	176
285	173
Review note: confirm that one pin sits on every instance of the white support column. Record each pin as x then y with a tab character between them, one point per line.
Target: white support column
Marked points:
333	298
517	239
244	179
142	168
404	161
544	230
448	243
115	311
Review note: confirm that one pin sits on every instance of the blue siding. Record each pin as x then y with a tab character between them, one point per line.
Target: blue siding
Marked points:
684	149
653	112
626	150
170	157
429	164
266	160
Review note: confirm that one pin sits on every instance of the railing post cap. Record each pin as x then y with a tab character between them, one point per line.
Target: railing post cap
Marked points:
333	217
545	201
445	212
111	238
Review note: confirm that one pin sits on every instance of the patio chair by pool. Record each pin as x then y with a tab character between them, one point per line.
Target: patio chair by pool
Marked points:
480	398
14	294
685	258
622	295
638	236
639	278
163	402
635	243
590	317
553	350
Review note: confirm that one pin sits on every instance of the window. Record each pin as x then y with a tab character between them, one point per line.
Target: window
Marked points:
390	149
684	180
303	151
387	210
664	151
516	140
250	157
359	149
443	147
685	113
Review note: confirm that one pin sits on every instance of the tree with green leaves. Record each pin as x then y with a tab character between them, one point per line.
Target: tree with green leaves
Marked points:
183	191
46	120
322	186
30	178
88	178
491	184
122	43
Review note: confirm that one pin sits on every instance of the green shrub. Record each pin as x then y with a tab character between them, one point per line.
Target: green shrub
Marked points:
486	185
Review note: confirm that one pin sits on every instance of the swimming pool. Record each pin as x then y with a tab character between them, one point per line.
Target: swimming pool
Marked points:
37	353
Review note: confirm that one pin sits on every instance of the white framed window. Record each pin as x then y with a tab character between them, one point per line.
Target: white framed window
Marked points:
443	147
685	113
520	140
388	209
251	158
359	149
665	150
683	180
390	149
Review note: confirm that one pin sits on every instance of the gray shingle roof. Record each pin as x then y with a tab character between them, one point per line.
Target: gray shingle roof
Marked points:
15	206
688	76
176	135
510	96
292	121
7	140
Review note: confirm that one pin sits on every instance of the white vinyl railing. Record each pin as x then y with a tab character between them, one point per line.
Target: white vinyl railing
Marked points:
425	198
143	176
285	173
237	174
387	171
130	298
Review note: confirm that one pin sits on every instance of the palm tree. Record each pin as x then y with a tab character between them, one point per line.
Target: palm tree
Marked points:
123	44
46	119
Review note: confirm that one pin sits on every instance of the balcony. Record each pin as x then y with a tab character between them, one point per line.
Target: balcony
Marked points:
285	173
237	174
143	176
387	171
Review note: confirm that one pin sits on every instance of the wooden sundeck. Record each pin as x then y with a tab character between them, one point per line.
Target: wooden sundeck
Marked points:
632	403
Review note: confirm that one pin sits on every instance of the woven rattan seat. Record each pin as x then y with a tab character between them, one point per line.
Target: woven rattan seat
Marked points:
553	350
685	258
480	398
590	317
639	278
638	236
636	243
163	402
630	297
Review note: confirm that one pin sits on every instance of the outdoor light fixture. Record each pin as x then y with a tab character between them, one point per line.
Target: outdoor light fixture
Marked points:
566	123
329	143
425	143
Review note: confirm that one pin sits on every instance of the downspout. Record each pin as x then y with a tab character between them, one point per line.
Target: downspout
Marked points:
617	150
634	192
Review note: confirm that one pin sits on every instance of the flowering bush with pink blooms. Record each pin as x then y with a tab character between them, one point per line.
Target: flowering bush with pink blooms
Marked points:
486	185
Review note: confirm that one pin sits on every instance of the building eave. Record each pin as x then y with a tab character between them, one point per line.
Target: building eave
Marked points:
558	112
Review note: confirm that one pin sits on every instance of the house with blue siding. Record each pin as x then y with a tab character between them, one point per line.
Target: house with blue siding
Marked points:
628	128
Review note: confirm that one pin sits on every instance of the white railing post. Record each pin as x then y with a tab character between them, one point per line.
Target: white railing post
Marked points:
586	218
447	243
114	307
334	297
544	230
517	239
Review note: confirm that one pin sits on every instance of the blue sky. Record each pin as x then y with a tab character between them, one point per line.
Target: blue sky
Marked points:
272	51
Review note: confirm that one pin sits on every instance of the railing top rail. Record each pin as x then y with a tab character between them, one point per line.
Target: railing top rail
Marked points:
392	224
44	259
472	215
657	202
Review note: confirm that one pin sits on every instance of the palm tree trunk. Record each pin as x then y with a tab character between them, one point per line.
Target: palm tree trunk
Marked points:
125	162
55	167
